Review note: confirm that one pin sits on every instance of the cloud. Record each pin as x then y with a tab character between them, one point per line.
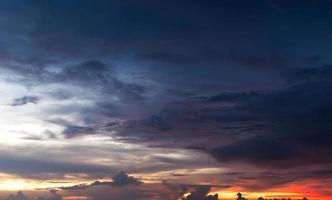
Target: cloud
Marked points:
123	179
54	196
277	128
99	76
100	70
123	187
93	75
25	100
258	149
179	32
201	193
30	166
89	91
310	74
178	44
92	71
119	180
71	131
19	196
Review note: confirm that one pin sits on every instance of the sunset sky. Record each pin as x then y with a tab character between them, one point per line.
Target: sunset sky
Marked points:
165	99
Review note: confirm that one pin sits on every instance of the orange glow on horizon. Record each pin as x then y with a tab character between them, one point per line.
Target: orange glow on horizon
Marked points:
255	195
75	198
296	190
293	191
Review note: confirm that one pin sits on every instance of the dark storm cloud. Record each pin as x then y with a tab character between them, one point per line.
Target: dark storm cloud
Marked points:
119	61
284	127
196	40
254	150
162	33
25	100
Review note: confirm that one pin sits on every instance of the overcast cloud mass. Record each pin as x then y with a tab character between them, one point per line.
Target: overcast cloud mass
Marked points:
165	100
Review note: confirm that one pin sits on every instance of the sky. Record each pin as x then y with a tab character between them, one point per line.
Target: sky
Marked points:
165	100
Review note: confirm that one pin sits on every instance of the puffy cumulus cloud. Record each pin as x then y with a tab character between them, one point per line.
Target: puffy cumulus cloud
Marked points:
53	195
106	192
201	193
128	187
19	196
123	179
125	187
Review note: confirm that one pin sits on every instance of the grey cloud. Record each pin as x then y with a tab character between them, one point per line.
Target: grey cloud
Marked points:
90	72
257	149
177	30
99	76
153	42
135	190
25	100
54	196
199	49
310	74
123	179
275	128
42	168
119	180
93	75
71	131
19	196
93	125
